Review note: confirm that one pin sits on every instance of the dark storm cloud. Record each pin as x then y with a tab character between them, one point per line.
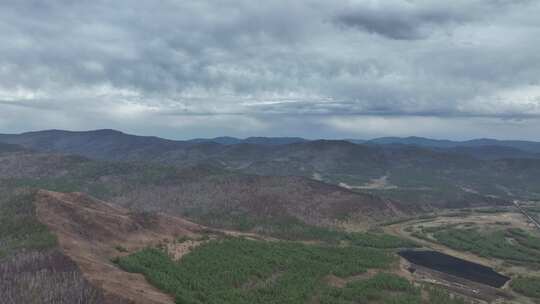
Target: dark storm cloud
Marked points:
209	65
410	20
406	22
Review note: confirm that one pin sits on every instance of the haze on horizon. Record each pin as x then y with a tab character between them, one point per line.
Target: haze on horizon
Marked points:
315	69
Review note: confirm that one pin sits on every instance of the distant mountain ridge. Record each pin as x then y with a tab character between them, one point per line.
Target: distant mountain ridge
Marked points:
527	146
115	145
102	144
266	141
27	137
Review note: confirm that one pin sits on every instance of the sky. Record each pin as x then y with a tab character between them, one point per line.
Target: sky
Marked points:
456	69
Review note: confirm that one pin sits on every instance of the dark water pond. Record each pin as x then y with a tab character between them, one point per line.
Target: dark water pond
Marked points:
455	266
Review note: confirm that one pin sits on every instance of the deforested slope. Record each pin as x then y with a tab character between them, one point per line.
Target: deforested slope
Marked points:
92	232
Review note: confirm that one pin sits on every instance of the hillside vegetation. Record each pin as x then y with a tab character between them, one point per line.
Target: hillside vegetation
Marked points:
236	270
32	269
19	228
210	195
512	245
420	174
244	271
527	286
287	192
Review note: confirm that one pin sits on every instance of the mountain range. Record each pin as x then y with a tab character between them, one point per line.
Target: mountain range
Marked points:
416	171
84	142
73	201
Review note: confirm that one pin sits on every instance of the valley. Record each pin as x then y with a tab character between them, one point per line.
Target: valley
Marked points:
270	152
325	225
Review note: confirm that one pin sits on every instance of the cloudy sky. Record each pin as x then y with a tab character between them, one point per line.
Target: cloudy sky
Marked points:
314	68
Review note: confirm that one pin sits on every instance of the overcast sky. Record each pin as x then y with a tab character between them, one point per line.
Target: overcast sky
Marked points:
320	69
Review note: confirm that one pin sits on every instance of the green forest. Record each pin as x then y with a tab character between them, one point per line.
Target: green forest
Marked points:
237	270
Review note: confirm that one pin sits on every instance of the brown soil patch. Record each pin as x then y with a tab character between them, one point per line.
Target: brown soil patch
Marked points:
92	232
177	250
335	281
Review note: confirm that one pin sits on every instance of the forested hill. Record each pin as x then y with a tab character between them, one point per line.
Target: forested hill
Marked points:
442	175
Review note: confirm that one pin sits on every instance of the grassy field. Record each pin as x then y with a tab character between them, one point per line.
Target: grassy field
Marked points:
527	286
511	245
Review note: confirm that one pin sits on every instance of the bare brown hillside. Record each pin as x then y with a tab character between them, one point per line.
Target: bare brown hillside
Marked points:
264	197
92	232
